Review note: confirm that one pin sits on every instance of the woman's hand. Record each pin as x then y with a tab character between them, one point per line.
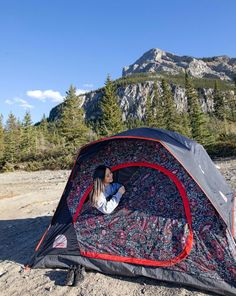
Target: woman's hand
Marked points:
122	190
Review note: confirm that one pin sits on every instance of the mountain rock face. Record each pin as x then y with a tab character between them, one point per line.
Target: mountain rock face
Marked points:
157	60
132	98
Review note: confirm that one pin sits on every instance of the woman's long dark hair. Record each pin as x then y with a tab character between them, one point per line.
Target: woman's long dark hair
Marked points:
98	185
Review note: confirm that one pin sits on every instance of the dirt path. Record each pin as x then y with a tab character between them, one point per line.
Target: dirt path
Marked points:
27	203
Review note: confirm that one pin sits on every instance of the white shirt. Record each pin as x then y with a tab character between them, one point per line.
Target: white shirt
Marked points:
107	206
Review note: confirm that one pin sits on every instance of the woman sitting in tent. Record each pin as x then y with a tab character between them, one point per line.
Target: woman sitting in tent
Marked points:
105	195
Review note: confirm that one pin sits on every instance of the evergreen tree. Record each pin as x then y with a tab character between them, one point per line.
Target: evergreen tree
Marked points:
190	92
149	116
1	138
198	119
110	121
43	137
232	103
12	139
54	135
72	126
235	83
158	108
27	122
28	137
220	107
44	125
185	126
219	104
198	123
230	106
170	113
215	129
134	123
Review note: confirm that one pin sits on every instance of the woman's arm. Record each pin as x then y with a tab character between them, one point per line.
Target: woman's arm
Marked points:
107	207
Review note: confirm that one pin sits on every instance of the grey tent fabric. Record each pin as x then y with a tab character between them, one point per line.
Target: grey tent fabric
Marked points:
175	223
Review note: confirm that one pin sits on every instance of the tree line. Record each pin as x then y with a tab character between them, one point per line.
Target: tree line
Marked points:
53	145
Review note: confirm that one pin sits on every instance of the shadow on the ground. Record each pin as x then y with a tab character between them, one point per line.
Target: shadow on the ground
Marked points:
18	238
59	276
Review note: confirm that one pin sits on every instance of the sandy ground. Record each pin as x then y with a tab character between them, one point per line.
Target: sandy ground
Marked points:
27	203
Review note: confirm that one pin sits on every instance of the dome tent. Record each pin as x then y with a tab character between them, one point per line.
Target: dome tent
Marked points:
174	223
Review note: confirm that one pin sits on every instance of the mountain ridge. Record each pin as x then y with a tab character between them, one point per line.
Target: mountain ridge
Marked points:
157	60
132	96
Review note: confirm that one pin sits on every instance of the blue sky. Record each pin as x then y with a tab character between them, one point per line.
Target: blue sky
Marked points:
46	45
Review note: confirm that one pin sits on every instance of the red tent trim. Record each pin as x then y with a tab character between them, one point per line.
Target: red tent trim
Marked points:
184	197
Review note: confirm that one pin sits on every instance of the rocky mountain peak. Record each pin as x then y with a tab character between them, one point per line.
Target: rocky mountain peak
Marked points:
153	55
157	61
